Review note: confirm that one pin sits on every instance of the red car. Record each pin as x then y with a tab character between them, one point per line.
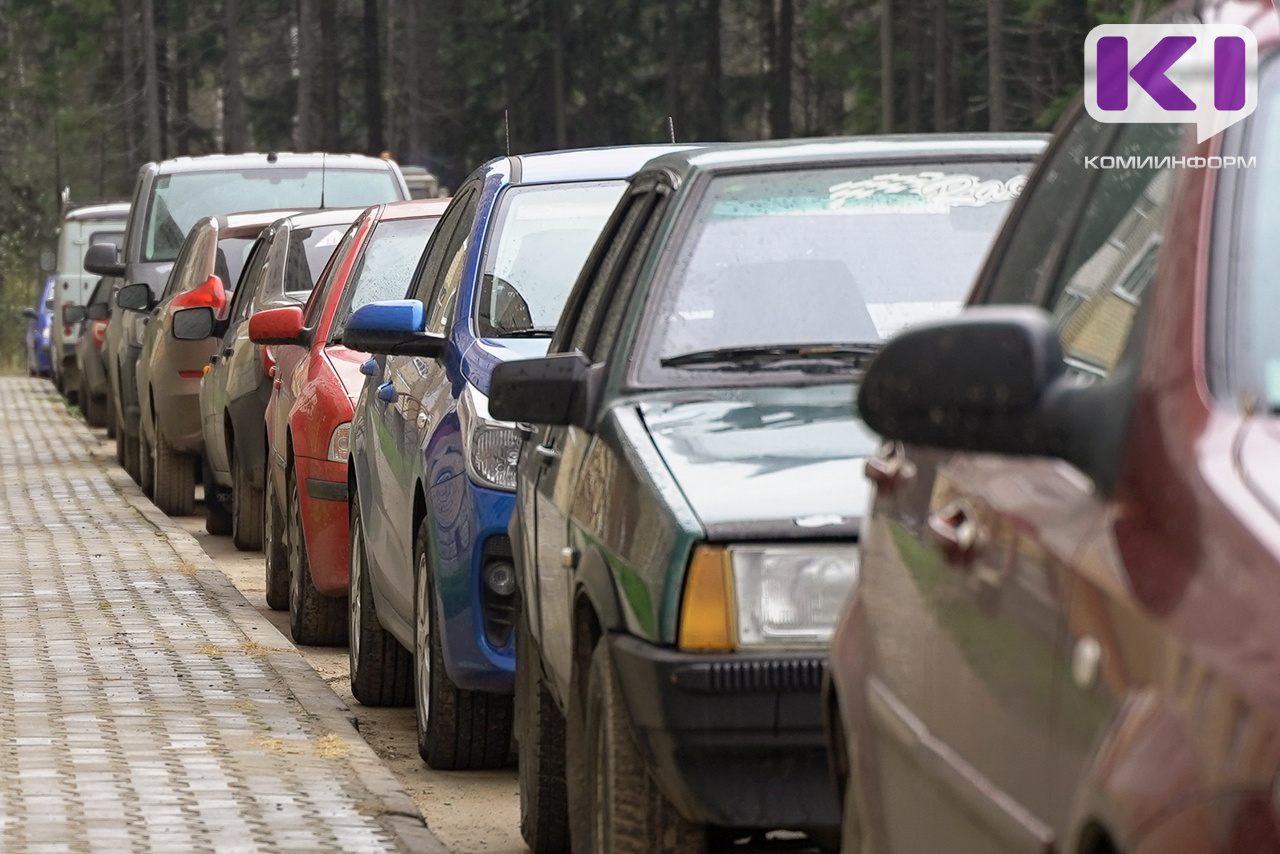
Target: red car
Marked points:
309	414
1066	631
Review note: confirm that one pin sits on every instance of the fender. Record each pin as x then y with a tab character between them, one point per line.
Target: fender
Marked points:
248	417
594	581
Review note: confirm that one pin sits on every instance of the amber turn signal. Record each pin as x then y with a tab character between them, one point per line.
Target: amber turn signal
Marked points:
706	615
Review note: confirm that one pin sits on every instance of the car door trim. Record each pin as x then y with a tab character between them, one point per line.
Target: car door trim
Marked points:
994	808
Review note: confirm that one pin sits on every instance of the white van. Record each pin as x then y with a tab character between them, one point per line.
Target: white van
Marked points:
80	229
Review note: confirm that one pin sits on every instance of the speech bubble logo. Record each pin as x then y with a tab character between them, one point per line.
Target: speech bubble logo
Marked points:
1161	73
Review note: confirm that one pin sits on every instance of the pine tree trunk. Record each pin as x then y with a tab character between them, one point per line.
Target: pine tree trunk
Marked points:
940	66
232	86
330	130
373	77
674	50
886	66
783	62
129	89
150	82
996	93
307	131
560	117
715	74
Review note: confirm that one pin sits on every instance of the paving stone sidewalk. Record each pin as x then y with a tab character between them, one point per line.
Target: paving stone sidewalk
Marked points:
145	705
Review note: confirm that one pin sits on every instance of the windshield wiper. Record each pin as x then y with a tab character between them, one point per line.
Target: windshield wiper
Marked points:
775	356
531	332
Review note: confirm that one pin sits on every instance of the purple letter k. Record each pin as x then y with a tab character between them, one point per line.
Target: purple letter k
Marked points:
1149	73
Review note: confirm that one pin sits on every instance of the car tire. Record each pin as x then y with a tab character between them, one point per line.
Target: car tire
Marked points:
130	458
314	619
110	416
217	519
627	812
174	478
121	436
246	507
540	731
275	545
457	730
381	669
146	465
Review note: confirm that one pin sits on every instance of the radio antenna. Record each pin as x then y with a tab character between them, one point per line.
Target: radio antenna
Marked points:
323	155
671	129
506	124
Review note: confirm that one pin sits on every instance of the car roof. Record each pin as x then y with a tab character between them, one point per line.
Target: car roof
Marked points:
582	164
873	149
250	223
286	159
321	218
112	210
414	208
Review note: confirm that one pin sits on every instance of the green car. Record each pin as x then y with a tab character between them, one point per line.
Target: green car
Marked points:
691	482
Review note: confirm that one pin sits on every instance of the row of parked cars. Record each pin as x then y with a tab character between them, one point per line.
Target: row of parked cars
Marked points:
577	457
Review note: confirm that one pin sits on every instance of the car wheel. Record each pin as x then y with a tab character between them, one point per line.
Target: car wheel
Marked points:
277	553
627	812
217	519
246	507
314	619
457	729
381	669
146	465
175	478
544	799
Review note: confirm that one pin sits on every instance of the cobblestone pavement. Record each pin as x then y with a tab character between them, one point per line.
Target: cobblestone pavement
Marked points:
144	704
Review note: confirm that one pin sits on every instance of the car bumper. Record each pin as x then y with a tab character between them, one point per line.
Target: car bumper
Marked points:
325	522
734	740
479	519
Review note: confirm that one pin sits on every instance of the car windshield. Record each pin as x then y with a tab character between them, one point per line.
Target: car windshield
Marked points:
386	268
181	200
544	234
779	267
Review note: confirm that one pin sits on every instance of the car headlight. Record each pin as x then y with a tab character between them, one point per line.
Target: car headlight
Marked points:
765	596
340	443
493	447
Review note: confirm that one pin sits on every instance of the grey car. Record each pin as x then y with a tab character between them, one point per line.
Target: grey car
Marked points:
283	267
172	195
91	366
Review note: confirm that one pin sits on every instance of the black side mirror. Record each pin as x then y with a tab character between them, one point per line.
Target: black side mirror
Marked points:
557	389
74	314
981	382
134	297
193	324
29	313
98	311
102	259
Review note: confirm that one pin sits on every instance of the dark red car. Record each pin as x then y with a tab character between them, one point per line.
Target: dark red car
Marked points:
309	414
1066	631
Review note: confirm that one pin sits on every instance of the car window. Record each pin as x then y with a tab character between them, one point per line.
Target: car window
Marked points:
188	264
539	239
621	297
1044	221
1113	252
251	278
316	303
308	251
442	272
622	234
386	266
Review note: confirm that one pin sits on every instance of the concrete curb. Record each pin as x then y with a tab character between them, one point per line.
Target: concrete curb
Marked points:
394	808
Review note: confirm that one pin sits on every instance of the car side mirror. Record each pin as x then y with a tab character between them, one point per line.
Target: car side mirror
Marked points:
98	311
30	313
193	324
392	328
73	314
983	382
134	297
278	326
556	389
102	259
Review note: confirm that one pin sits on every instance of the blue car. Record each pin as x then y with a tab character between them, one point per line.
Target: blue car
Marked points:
39	318
433	477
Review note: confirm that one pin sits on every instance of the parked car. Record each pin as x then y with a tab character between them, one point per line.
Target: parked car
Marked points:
309	417
283	267
80	228
1064	637
687	506
39	319
172	195
178	342
433	476
90	363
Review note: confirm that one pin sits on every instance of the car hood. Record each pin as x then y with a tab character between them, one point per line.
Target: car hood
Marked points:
484	354
346	364
767	462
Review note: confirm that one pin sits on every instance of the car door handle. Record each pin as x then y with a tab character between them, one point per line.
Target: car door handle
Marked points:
387	393
213	360
889	465
227	352
954	528
546	454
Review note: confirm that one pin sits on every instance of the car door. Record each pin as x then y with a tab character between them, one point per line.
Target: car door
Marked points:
395	440
557	453
968	559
